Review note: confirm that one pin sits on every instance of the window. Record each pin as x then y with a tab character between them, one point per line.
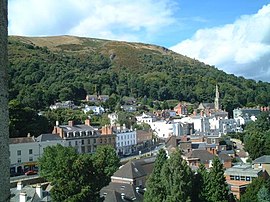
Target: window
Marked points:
243	178
231	177
88	141
82	142
30	151
69	143
95	140
237	178
19	152
247	178
76	143
19	160
30	158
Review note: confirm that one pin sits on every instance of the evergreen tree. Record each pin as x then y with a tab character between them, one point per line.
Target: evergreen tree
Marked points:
201	185
263	195
252	190
217	188
176	178
154	188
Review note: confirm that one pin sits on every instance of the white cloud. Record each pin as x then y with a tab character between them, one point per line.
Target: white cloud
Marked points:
241	48
110	19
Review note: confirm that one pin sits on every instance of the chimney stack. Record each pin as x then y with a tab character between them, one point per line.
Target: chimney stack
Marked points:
39	191
57	123
70	123
87	122
19	186
123	196
23	197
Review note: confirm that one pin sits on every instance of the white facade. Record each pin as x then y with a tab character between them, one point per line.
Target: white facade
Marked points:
126	141
113	118
97	110
162	129
22	154
145	118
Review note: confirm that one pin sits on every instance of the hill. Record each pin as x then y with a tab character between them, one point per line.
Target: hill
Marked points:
45	69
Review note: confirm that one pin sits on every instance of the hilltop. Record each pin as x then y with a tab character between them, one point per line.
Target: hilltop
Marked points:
45	69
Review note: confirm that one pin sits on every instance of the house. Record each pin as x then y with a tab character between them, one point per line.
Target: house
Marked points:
29	193
263	163
129	100
97	110
63	105
198	156
240	176
144	138
181	109
182	142
129	108
113	118
103	98
146	118
91	98
128	183
25	151
83	137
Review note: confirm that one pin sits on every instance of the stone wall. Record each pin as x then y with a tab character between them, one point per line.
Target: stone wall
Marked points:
4	131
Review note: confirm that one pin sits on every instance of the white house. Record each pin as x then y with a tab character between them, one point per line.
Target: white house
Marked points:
113	118
97	110
25	151
145	118
126	140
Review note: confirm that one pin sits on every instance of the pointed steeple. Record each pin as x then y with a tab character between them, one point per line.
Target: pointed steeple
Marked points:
217	99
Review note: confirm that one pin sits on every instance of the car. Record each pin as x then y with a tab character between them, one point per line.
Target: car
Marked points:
31	172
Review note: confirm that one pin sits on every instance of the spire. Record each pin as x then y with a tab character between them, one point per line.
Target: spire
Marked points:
217	99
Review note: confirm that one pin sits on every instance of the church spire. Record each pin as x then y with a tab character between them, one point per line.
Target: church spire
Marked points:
217	99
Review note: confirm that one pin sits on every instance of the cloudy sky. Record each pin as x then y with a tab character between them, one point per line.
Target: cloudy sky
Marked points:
233	35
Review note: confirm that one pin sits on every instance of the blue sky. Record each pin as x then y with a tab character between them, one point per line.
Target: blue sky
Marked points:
233	35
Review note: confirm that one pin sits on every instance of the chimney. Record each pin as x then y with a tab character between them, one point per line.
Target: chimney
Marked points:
23	197
123	196
19	186
87	122
39	191
57	123
28	135
70	123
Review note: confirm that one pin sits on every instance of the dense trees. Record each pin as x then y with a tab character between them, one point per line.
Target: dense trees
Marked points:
257	136
172	180
155	190
39	76
77	177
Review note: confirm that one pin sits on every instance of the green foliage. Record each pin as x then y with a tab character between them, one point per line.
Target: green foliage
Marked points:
263	194
218	190
251	194
24	120
77	177
176	178
38	76
155	190
106	162
257	136
201	185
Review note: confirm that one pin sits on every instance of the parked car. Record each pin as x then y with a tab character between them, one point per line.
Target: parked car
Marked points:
31	172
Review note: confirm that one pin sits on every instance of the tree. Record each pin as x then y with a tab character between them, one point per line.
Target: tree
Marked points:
106	162
176	179
201	185
217	188
4	133
70	174
251	194
154	188
263	194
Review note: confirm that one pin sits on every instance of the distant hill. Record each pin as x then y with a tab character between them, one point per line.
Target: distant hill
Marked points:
45	69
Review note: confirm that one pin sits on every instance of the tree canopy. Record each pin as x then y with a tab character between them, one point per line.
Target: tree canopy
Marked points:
77	177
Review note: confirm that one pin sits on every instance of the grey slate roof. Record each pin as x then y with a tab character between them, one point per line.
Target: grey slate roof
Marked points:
203	155
263	159
76	128
130	170
243	170
48	137
112	192
19	140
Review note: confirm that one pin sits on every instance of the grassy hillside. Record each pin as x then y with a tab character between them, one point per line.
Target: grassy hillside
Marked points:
45	69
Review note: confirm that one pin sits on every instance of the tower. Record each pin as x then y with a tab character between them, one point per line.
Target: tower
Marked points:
217	99
4	130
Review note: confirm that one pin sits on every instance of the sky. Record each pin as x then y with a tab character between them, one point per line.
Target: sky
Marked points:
232	35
